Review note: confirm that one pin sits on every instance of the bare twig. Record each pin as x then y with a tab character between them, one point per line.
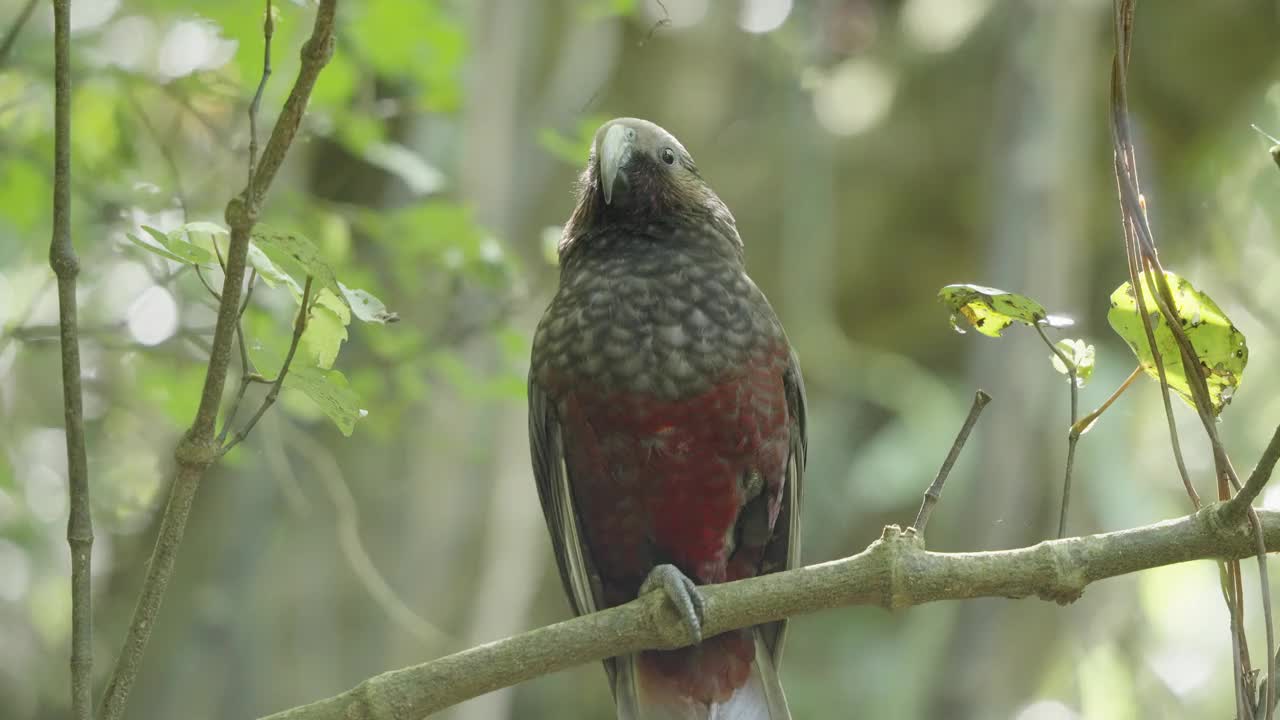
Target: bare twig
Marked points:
894	572
299	327
1083	424
1233	509
247	376
934	493
66	266
268	29
1072	436
198	449
662	22
10	37
1264	581
163	145
217	296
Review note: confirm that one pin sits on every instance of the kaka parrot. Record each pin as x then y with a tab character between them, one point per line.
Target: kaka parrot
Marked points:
666	423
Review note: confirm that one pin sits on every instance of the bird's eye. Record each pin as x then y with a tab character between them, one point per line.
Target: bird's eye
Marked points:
668	156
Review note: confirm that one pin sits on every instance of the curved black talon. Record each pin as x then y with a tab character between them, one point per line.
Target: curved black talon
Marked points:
683	594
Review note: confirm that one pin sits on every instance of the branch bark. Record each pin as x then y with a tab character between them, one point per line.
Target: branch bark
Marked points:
66	266
199	449
894	572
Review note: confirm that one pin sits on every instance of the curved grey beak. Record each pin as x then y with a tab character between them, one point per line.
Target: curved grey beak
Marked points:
614	152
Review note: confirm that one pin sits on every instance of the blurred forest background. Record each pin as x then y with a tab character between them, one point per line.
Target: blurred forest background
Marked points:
872	152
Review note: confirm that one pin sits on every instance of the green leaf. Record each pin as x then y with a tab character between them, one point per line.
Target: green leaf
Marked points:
990	311
271	273
1081	356
203	227
326	331
155	249
283	247
173	247
329	390
1220	348
366	307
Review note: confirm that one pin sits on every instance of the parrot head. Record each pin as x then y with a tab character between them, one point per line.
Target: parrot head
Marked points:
639	173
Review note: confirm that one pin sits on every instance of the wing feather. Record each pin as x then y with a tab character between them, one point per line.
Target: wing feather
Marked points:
784	550
546	445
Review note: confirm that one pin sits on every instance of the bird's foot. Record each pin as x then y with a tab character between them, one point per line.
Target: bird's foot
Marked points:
682	593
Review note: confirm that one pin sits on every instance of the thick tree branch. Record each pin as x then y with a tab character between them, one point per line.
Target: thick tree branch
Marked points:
199	447
894	572
66	266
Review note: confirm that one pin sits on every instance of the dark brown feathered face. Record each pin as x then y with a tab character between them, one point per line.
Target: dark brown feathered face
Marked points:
638	172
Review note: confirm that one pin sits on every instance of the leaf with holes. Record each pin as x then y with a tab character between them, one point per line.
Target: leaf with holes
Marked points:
283	248
1220	348
366	307
1081	356
329	390
990	311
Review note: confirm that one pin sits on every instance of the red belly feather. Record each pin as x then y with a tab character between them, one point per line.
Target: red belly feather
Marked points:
659	481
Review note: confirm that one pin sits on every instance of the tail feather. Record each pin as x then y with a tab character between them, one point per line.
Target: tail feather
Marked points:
642	695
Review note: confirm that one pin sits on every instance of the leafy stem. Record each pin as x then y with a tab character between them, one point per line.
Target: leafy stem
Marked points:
299	327
199	449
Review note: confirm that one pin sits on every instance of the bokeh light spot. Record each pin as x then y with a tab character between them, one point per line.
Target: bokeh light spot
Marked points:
854	97
762	16
153	317
15	572
192	45
941	25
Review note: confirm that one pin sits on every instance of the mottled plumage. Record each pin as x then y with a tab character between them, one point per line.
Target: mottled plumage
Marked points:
666	418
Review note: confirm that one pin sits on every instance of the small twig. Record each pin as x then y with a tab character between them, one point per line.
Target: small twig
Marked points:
1072	436
66	266
1083	424
299	327
246	375
248	293
932	495
664	21
268	29
1233	509
1264	580
10	37
217	296
1274	150
166	154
